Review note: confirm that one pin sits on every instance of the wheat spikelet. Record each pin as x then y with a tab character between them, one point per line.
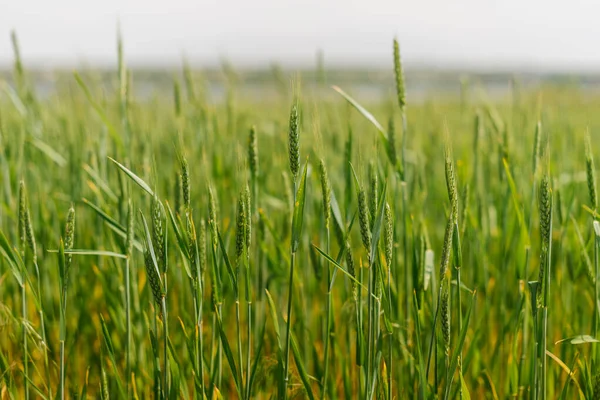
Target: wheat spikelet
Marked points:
158	234
69	240
178	189
445	314
590	172
294	142
351	269
212	221
153	277
388	236
596	387
26	235
240	236
212	216
391	136
363	219
451	182
399	74
326	192
253	153
248	217
104	390
192	248
545	207
447	248
185	184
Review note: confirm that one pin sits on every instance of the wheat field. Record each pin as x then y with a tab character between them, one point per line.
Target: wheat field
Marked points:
305	244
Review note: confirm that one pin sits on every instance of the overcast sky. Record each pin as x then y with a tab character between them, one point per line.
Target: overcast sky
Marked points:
514	34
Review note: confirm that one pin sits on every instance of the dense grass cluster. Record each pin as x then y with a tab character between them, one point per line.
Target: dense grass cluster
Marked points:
293	247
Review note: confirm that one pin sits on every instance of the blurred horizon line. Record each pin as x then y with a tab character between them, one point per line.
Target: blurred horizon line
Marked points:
508	36
43	64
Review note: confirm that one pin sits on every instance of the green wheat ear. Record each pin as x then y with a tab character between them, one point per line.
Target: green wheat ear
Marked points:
253	152
214	236
326	192
212	216
596	387
447	247
178	192
158	234
545	205
26	235
451	181
445	313
363	219
153	278
294	142
545	208
247	217
351	269
590	172
399	74
388	235
192	247
104	389
391	136
185	184
240	237
69	239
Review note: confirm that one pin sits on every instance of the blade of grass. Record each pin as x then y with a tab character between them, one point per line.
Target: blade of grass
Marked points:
301	368
458	348
139	181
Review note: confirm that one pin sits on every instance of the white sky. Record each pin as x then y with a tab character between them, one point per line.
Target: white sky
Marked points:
514	34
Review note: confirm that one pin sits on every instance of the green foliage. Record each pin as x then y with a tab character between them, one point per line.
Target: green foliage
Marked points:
398	327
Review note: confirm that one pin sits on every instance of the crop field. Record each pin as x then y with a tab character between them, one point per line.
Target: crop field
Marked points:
306	244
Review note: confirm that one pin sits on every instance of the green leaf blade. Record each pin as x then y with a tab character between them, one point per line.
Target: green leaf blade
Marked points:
298	217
